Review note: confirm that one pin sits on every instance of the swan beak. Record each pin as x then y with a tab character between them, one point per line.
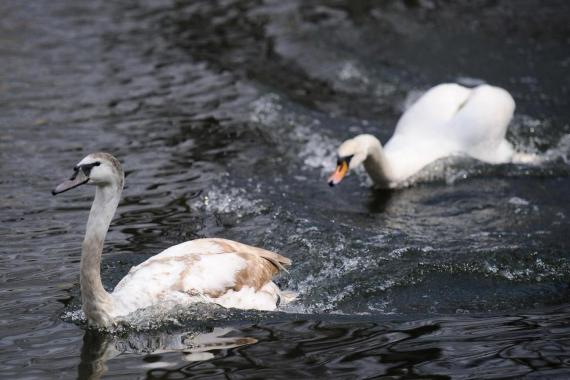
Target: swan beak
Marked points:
77	179
339	173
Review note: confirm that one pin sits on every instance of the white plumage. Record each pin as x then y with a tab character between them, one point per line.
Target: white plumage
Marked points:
449	119
203	270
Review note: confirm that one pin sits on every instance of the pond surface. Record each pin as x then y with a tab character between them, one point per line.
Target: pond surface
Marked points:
226	116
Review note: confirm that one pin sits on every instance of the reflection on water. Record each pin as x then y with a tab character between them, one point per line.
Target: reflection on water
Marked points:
98	348
443	347
226	116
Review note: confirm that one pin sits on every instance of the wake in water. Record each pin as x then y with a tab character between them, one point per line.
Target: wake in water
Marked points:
349	269
538	154
393	257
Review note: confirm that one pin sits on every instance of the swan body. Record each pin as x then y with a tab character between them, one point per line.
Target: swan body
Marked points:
204	270
220	271
448	119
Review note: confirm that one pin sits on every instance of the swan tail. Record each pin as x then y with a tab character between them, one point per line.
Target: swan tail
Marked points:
274	258
279	261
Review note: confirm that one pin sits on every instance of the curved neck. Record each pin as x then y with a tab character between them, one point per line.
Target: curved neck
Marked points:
377	165
97	303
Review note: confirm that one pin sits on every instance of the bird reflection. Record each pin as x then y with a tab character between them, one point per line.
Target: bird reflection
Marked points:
99	347
379	200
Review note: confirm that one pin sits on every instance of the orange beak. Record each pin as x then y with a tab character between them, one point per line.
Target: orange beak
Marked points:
339	173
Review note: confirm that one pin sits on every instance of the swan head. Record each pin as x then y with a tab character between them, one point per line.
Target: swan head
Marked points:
100	169
350	154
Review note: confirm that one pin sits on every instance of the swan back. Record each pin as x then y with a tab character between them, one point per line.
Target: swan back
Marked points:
204	270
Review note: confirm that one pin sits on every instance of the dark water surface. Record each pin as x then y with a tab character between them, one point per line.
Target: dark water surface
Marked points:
226	115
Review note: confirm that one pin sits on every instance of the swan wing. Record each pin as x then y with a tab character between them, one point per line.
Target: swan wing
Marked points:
480	125
211	270
451	119
432	110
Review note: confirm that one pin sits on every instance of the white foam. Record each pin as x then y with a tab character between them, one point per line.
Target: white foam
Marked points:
350	72
560	151
318	151
224	201
266	110
518	201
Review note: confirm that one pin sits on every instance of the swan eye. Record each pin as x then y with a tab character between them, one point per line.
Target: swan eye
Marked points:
87	167
346	159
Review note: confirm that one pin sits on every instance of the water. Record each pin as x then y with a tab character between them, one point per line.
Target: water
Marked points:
226	115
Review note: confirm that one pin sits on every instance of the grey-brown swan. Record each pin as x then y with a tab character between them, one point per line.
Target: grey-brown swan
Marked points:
220	271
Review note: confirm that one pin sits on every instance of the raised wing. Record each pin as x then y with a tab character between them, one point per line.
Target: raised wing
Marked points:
432	110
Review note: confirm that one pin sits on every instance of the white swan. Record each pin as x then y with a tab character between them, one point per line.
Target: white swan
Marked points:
449	119
221	271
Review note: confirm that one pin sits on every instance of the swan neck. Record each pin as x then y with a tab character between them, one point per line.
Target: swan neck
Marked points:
97	303
378	166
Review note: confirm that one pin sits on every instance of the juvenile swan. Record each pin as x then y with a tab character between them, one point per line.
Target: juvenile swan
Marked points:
447	120
221	271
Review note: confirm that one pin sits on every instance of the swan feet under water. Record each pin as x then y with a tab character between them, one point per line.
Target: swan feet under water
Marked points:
220	271
447	120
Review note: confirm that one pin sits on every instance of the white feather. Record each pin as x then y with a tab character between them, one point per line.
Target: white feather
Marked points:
186	273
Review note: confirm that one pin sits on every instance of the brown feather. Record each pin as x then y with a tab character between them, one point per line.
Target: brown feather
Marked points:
274	258
262	265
